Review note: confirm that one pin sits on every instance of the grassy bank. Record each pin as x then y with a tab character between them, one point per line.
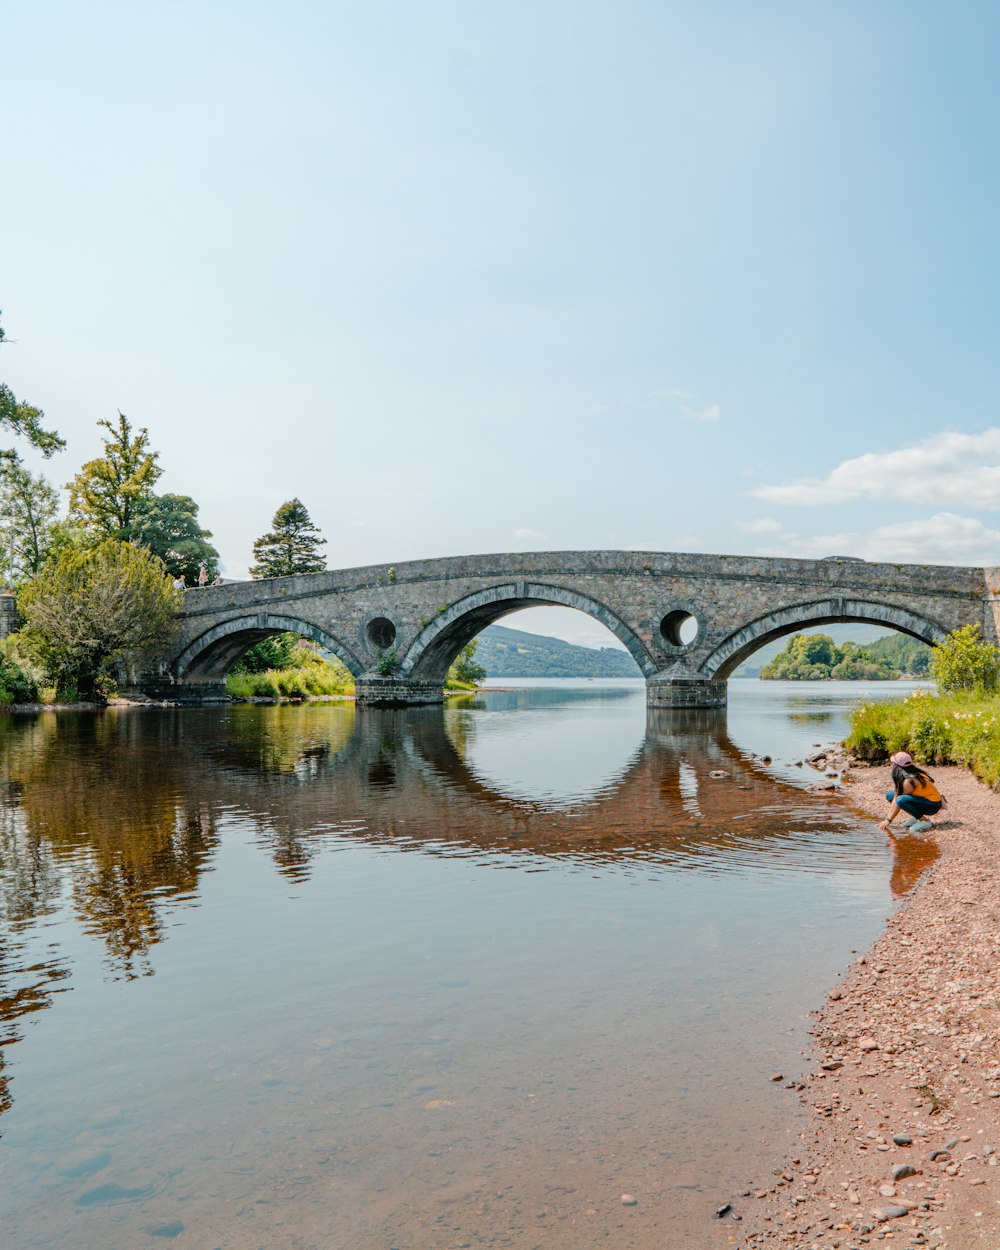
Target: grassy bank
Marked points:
311	679
935	729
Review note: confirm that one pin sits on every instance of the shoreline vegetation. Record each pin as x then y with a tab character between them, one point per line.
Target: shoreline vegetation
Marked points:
816	657
959	724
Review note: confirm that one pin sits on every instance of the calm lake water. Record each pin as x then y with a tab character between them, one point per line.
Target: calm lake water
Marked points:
300	977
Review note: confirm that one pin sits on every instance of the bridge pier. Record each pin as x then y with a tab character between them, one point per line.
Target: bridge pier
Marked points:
673	691
373	690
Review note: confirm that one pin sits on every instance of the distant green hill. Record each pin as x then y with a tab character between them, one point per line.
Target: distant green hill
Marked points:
513	653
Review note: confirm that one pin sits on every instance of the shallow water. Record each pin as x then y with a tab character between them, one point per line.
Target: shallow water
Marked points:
298	977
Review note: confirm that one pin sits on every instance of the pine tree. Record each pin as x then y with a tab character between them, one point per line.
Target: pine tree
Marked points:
292	546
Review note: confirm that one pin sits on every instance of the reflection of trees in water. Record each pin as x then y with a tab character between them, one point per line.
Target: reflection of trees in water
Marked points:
266	741
103	800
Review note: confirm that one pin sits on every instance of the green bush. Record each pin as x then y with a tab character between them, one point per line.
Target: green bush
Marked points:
964	661
19	678
959	728
312	676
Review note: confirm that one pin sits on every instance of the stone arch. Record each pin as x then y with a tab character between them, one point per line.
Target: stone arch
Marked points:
431	653
742	643
211	655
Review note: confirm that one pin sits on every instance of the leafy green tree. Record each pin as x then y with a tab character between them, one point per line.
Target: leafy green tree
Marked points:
291	546
88	610
859	666
107	494
28	508
465	668
806	657
965	661
274	653
902	653
167	525
25	420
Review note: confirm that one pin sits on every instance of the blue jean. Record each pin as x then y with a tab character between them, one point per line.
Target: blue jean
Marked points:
913	804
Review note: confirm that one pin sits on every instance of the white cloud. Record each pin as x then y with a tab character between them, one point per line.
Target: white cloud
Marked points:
941	539
948	468
764	525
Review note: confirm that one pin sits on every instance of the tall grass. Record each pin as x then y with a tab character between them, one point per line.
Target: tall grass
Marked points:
313	678
935	729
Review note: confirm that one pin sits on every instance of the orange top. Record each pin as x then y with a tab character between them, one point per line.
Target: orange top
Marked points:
924	788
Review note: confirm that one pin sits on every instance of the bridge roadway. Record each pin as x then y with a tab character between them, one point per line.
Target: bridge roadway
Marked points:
688	620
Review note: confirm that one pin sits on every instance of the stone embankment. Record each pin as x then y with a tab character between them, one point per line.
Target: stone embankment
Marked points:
901	1144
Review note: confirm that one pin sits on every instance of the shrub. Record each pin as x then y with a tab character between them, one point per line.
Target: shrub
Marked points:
936	729
311	676
964	661
19	678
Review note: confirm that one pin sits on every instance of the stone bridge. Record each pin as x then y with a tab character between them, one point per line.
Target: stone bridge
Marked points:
687	620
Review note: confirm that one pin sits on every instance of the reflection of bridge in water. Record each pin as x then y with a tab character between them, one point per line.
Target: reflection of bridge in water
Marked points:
402	780
122	812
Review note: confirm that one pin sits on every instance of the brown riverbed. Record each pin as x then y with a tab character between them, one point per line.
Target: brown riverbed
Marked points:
908	1046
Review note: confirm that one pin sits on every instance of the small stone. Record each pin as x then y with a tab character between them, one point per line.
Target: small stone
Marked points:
867	1043
717	772
889	1211
835	995
628	1200
853	1197
778	1076
723	1210
887	1191
902	1139
901	1171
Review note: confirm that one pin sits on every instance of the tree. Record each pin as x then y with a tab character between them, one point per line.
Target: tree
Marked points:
25	420
465	669
966	662
28	508
806	657
107	493
292	546
87	610
167	525
273	653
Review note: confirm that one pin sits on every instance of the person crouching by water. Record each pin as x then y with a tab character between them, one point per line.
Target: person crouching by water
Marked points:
914	793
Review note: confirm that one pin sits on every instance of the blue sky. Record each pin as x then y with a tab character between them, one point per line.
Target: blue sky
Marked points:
708	277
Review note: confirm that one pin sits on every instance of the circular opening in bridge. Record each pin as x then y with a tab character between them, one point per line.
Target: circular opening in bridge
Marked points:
381	633
679	628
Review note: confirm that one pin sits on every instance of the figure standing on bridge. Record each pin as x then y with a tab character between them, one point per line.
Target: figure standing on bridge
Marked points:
202	575
914	793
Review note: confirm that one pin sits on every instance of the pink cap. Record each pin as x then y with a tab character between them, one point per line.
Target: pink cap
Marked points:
901	758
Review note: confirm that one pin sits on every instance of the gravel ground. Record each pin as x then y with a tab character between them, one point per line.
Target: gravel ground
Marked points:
906	1066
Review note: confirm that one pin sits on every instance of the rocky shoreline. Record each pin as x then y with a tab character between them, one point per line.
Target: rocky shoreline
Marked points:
901	1143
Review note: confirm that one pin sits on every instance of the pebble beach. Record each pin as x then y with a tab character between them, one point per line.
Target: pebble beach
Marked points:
900	1143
